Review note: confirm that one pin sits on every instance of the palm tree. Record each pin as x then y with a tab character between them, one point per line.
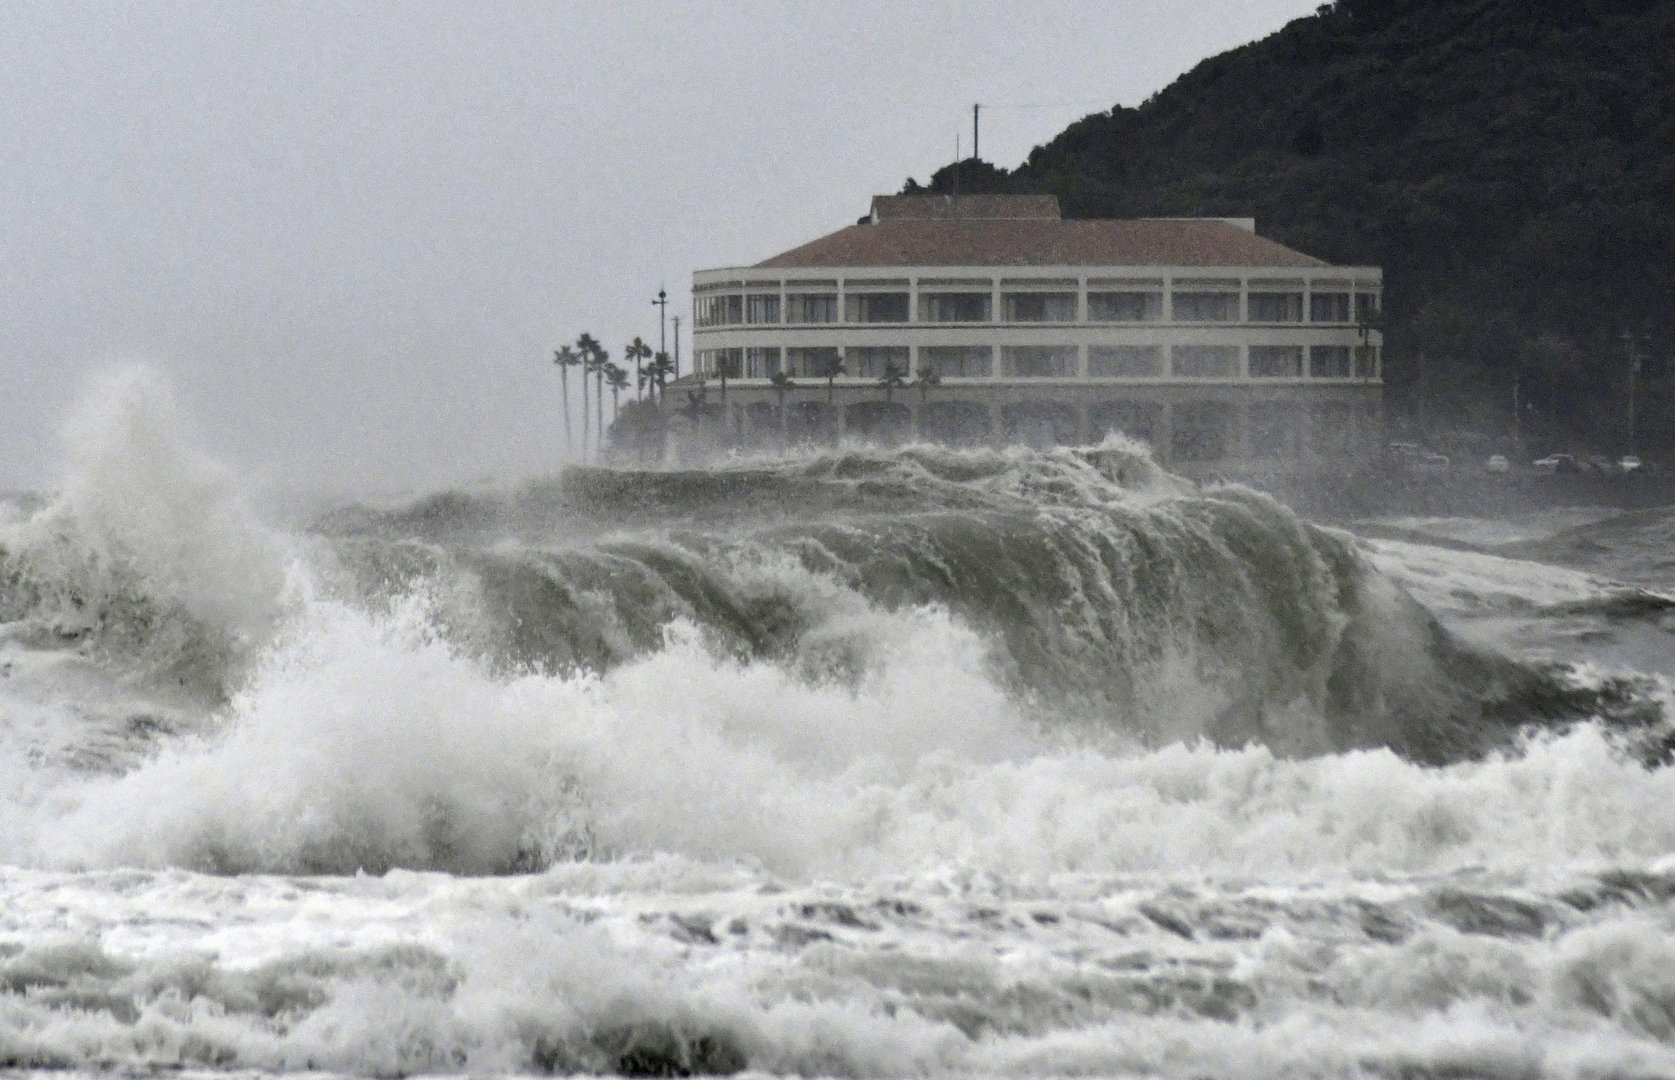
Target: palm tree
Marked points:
1367	322
566	358
585	346
601	361
617	379
724	368
833	367
694	408
661	368
783	384
893	379
927	381
636	351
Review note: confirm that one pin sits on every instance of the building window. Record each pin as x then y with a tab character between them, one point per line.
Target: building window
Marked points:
1050	307
809	363
1207	307
1276	307
1366	306
1337	429
1125	361
1201	432
1125	306
1329	362
761	363
954	307
884	307
1136	419
761	308
1366	361
1039	423
1275	431
811	308
1276	361
719	310
1039	361
712	362
869	361
1205	361
957	361
1329	307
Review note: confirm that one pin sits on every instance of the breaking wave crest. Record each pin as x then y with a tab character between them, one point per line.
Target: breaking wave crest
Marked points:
861	763
147	556
997	658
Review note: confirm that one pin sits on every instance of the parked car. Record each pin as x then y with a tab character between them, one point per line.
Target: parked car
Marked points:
1401	454
1429	461
1601	464
1556	463
1629	463
1498	463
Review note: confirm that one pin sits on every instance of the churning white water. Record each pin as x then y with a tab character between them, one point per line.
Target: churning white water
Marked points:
865	763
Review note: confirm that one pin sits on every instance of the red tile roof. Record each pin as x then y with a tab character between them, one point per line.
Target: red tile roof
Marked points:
970	241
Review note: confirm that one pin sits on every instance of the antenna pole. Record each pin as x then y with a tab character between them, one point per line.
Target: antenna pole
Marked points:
974	152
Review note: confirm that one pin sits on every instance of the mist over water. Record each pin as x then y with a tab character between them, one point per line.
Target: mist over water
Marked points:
856	762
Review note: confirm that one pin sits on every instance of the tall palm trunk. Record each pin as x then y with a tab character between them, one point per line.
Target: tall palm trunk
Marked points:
586	427
599	402
831	407
564	381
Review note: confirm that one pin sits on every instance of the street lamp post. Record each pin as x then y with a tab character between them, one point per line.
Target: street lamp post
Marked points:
662	306
677	345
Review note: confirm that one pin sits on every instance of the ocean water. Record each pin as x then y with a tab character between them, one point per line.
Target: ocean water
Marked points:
857	762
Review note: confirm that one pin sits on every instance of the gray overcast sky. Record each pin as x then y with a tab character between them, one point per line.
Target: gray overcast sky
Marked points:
352	233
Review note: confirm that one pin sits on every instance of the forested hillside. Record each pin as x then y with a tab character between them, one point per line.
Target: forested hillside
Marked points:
1511	165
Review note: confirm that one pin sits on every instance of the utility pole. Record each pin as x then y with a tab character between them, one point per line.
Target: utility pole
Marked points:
974	152
677	345
662	306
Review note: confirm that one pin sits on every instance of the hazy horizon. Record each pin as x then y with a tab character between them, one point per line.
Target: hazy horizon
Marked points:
351	236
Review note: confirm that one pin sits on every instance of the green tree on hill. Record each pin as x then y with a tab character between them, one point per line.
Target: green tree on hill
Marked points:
1508	164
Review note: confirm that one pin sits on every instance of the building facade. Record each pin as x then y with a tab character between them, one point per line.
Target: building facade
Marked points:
1195	335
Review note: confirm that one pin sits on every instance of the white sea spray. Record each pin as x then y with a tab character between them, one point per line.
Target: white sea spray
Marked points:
1015	763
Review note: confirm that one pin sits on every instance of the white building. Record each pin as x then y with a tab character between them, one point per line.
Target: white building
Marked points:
1194	334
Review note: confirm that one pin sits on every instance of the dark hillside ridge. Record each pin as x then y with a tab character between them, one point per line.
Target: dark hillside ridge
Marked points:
1511	165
